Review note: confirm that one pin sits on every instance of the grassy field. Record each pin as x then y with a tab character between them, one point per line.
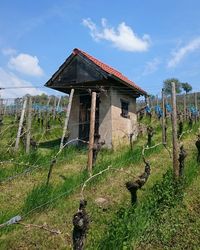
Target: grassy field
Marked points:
165	217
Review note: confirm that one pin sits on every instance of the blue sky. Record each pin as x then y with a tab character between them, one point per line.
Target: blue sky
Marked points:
148	41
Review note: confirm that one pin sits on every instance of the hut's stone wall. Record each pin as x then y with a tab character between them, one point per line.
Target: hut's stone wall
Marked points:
122	127
113	128
105	123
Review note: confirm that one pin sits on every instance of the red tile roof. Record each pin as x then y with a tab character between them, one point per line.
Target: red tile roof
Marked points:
109	70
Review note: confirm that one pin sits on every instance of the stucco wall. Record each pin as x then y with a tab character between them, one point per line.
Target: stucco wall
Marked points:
122	127
73	126
105	124
113	128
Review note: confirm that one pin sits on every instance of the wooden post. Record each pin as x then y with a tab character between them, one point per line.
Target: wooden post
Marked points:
184	107
58	104
54	108
148	101
67	117
157	101
20	124
196	105
47	113
174	133
92	128
1	107
5	107
163	119
28	136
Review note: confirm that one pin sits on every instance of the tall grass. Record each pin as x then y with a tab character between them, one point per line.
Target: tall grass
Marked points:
129	224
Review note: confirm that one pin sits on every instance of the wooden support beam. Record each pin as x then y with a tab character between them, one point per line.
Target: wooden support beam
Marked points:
20	124
1	107
195	104
163	119
58	104
185	107
67	117
54	108
92	128
29	118
174	133
157	101
47	113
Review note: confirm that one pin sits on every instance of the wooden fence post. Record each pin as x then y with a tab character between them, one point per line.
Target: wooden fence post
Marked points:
92	128
163	119
157	101
20	124
5	107
47	113
28	136
1	107
58	104
67	117
54	108
196	105
184	107
174	133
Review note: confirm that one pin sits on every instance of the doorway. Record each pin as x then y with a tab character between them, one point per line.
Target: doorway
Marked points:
84	117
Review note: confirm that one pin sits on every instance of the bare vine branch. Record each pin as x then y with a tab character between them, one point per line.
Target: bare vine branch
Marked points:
90	178
43	227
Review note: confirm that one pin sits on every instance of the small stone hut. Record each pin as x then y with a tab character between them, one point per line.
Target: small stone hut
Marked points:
115	118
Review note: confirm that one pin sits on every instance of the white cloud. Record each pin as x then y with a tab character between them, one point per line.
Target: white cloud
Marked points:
151	66
123	37
26	64
9	79
9	51
182	52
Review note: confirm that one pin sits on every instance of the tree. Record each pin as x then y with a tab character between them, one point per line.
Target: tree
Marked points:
186	87
167	86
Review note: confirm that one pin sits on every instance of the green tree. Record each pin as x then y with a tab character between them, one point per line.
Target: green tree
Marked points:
186	87
167	85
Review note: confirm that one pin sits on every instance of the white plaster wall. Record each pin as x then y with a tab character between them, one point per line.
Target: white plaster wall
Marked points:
105	124
122	127
113	128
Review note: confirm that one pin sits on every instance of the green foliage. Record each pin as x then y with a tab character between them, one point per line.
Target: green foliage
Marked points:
186	87
175	220
167	85
130	223
38	196
133	224
129	226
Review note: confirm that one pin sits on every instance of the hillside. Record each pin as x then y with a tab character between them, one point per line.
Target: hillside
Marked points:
165	217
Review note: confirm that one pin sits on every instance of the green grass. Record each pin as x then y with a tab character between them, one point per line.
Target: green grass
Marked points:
119	227
132	225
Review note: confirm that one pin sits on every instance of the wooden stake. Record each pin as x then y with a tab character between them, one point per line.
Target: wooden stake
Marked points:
174	133
157	101
184	107
67	117
54	108
53	162
163	119
1	107
47	112
5	107
20	124
28	136
58	104
92	128
196	105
